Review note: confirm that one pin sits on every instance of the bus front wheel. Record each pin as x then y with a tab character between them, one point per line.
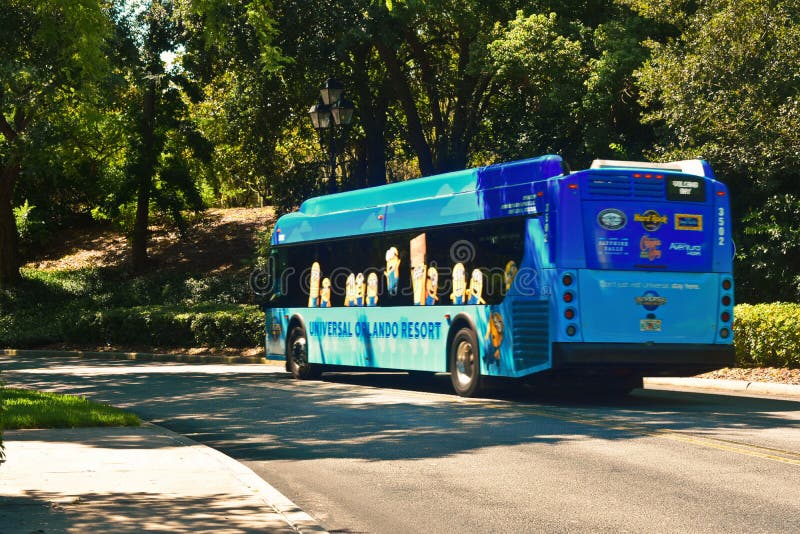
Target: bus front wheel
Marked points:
297	355
465	365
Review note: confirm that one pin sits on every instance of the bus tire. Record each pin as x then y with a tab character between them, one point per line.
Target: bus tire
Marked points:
465	364
297	355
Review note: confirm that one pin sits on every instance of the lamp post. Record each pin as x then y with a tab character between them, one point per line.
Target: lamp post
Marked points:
331	116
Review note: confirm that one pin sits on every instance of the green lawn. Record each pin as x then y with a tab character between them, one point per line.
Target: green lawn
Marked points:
23	408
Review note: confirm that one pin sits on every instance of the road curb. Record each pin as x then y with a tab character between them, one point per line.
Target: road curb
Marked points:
292	514
139	356
732	386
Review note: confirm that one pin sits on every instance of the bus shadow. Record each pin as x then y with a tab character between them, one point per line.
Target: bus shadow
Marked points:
383	416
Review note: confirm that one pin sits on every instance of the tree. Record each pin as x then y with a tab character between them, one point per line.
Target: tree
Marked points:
51	52
164	139
727	89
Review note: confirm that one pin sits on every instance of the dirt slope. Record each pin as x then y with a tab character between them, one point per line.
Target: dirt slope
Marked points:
220	240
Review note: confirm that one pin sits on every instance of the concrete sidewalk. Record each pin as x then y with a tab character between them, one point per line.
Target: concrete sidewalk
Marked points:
133	479
739	387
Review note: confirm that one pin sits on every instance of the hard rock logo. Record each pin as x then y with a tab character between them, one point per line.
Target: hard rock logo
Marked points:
651	220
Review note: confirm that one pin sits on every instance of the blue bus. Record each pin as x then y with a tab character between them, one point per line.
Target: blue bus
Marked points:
519	269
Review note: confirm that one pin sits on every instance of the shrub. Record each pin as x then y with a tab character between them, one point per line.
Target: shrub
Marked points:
767	335
769	252
204	325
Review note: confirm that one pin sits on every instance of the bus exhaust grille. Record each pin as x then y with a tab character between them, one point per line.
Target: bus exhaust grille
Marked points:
531	332
624	187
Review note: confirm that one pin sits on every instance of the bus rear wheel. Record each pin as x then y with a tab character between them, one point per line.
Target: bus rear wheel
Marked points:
465	365
297	355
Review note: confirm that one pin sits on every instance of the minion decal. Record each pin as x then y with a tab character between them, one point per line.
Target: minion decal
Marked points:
418	247
325	294
510	272
494	333
350	290
432	287
418	281
313	286
392	272
360	289
372	289
458	296
476	288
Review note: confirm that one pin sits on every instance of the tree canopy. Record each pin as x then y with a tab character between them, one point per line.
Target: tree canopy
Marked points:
125	110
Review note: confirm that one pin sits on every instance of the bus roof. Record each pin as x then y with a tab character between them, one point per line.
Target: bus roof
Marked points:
499	190
696	167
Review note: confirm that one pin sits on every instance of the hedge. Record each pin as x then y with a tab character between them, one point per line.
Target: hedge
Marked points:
220	326
767	335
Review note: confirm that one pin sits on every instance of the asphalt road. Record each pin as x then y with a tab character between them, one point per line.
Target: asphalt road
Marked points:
380	454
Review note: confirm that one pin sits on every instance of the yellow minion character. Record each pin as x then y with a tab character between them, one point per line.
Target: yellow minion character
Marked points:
433	286
476	288
350	290
458	295
392	272
372	289
511	272
495	332
325	294
313	286
360	289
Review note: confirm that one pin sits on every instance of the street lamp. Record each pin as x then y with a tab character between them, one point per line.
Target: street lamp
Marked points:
330	117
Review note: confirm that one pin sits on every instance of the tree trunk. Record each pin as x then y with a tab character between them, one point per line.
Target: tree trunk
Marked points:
147	163
372	110
416	135
9	254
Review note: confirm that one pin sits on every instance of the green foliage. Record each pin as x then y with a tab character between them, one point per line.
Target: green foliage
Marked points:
32	229
727	89
104	306
33	409
768	252
204	325
767	335
52	56
543	73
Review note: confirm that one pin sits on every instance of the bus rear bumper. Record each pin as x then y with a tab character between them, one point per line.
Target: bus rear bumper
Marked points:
663	359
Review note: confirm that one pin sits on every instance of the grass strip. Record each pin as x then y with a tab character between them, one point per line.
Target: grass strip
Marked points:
24	408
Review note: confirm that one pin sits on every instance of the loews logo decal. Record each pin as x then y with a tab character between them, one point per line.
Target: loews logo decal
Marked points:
612	219
651	220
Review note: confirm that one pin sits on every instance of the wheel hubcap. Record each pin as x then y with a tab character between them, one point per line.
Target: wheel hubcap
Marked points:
465	363
299	352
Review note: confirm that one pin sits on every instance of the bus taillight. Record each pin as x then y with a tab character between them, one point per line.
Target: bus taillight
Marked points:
572	330
726	300
569	296
569	313
726	284
567	279
726	317
724	333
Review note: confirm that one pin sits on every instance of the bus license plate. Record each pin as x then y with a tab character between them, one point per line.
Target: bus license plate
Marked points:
650	325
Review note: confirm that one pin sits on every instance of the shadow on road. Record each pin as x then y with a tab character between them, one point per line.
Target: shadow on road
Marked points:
254	415
37	511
